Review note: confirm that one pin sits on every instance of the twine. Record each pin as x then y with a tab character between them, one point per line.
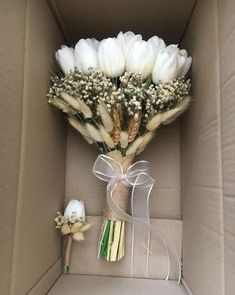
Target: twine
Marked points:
121	193
68	250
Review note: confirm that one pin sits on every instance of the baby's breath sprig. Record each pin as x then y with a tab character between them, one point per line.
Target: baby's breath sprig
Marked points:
165	96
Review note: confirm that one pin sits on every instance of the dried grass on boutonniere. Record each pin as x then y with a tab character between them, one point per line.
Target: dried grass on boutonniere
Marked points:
116	93
72	225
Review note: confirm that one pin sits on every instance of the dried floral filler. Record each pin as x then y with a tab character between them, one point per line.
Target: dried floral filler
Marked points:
116	93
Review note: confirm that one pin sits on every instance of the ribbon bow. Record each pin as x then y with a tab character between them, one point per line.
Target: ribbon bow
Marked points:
137	177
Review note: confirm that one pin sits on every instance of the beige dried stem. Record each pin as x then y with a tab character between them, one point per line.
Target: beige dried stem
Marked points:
106	137
105	116
116	125
94	133
154	122
124	139
134	146
80	128
84	108
147	137
71	101
134	126
62	105
171	115
78	104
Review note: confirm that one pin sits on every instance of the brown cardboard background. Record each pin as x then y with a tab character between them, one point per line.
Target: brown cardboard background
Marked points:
11	69
32	147
201	159
227	104
106	18
41	181
85	253
207	149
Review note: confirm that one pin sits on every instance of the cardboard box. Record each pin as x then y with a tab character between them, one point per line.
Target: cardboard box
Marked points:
43	164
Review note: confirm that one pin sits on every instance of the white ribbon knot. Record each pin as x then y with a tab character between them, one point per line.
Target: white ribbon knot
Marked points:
137	177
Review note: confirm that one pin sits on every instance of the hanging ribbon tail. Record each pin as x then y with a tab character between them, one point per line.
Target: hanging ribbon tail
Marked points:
137	177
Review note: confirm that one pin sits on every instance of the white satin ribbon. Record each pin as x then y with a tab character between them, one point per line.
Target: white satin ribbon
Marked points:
137	177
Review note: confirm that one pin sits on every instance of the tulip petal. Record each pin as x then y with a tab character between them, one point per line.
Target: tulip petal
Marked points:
111	58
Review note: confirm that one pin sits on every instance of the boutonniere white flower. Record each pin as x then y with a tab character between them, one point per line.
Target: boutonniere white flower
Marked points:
75	210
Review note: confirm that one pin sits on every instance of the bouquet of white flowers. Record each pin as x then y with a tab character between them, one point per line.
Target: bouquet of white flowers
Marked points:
116	93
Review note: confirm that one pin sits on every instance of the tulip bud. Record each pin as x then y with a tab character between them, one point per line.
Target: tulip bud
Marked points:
65	58
111	58
184	62
140	58
126	40
158	44
86	57
75	208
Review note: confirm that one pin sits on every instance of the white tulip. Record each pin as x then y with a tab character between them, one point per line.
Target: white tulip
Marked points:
140	58
93	42
65	58
111	58
170	64
185	62
76	208
158	44
126	40
86	57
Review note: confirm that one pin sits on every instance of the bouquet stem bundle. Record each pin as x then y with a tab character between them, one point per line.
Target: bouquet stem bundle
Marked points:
112	237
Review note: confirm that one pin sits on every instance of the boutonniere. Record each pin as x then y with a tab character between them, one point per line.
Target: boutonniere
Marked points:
72	225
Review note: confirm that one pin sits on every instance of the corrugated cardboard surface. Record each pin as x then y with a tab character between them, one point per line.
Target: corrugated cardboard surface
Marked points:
86	18
227	80
33	144
11	79
90	285
164	155
84	256
32	149
201	159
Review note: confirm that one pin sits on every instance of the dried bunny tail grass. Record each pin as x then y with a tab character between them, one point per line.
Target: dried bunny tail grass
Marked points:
71	101
106	137
106	118
124	139
84	108
80	128
62	105
94	133
146	139
171	115
134	146
154	122
133	127
116	125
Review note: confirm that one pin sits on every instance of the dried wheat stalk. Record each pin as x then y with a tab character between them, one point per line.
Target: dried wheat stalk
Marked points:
133	127
116	125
